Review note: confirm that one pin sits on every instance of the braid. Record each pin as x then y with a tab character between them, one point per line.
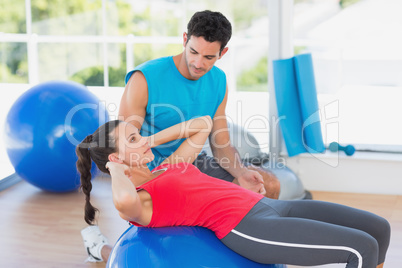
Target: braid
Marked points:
84	165
96	147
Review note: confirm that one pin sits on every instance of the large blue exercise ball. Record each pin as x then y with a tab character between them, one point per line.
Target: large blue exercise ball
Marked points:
44	126
178	247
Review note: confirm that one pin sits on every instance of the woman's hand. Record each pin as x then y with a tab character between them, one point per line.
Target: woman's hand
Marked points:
117	168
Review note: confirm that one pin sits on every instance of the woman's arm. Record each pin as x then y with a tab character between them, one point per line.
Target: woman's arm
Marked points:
196	132
125	196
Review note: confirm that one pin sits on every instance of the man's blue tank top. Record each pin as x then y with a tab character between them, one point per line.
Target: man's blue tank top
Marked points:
172	99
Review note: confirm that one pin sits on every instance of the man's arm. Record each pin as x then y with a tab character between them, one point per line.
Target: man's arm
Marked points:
220	143
134	101
195	131
227	155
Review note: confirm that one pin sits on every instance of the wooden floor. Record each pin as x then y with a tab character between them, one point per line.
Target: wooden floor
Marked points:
39	229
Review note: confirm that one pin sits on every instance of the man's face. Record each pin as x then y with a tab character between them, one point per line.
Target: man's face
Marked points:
200	55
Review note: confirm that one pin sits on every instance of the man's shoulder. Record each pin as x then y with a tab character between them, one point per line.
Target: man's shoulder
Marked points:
217	71
151	68
155	63
215	75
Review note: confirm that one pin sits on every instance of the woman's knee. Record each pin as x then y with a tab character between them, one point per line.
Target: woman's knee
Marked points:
364	253
383	231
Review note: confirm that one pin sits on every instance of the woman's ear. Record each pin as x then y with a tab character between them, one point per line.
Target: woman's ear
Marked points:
115	158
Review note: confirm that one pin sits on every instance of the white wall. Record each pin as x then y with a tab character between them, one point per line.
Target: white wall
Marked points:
374	173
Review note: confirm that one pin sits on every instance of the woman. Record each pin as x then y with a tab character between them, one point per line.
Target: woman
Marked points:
176	193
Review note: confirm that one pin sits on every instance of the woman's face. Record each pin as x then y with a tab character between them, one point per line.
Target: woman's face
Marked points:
133	149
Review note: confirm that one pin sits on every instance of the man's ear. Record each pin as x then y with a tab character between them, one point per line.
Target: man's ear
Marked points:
185	39
115	158
223	52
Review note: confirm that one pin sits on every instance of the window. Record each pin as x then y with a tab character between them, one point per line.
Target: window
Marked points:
9	95
358	68
95	42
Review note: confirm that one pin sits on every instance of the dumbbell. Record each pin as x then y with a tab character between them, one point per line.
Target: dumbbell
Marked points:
348	149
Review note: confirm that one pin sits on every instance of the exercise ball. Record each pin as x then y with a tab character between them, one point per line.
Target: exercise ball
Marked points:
179	247
244	142
291	186
44	126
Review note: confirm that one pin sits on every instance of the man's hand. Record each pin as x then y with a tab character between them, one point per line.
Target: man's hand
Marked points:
252	180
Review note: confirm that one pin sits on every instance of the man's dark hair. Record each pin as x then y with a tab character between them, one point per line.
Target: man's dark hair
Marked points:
213	26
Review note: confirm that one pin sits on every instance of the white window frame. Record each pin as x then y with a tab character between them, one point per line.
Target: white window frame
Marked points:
281	45
32	40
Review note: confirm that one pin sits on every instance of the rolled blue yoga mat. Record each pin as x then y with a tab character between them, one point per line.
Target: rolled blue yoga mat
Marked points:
296	98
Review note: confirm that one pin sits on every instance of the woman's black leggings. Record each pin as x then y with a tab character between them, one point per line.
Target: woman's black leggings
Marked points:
309	232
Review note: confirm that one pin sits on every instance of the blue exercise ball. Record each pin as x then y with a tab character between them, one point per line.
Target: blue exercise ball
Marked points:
179	247
44	126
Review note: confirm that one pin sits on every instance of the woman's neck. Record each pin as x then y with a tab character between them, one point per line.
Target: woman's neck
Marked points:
141	175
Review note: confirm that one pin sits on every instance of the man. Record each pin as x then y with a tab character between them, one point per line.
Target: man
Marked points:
167	91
